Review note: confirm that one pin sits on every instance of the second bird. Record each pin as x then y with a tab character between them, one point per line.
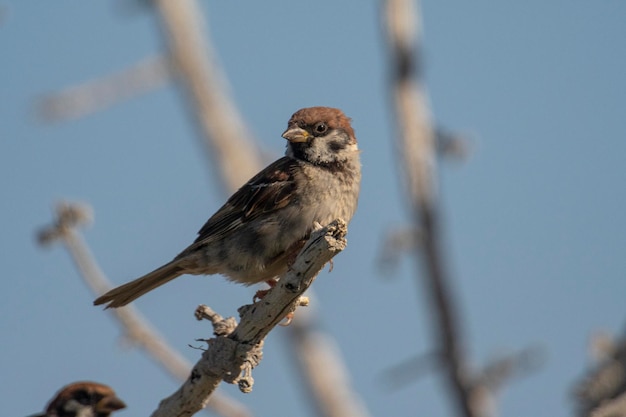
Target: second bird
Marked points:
258	232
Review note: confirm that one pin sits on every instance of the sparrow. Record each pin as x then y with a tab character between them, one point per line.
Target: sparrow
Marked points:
260	229
83	399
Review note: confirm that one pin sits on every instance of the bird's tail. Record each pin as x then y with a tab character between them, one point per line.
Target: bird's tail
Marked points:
130	291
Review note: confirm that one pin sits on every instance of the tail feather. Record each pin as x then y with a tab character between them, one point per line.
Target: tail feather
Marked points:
130	291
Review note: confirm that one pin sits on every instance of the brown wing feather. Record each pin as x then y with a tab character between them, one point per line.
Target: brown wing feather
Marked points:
268	191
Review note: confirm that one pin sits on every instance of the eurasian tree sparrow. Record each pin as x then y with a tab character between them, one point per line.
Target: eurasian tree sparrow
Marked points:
83	399
258	232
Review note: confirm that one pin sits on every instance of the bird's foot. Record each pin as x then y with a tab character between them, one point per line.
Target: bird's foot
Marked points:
288	318
260	294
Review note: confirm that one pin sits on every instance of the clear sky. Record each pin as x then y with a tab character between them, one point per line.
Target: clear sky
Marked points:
534	218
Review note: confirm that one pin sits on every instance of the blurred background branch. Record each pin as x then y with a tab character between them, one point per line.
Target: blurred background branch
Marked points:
229	144
601	392
319	358
83	99
416	148
419	145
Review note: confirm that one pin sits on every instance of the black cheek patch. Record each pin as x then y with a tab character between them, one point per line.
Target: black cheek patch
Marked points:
298	150
335	145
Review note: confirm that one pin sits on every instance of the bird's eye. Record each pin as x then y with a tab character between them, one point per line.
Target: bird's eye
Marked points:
82	397
321	128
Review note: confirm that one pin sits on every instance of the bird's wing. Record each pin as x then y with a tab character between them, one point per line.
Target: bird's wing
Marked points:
268	191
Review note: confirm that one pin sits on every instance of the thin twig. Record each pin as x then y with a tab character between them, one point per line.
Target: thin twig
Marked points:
135	328
95	95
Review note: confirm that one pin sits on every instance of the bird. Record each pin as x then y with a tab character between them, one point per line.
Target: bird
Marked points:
258	232
83	399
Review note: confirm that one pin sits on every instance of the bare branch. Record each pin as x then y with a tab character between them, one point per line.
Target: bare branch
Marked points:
602	391
416	148
492	378
95	95
452	144
231	358
411	369
135	328
327	379
229	144
395	244
499	371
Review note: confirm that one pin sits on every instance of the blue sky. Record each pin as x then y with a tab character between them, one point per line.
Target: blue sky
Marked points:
534	218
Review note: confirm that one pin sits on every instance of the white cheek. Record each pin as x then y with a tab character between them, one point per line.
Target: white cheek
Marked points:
320	152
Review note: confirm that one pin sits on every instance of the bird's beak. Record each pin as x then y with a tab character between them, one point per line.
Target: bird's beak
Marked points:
296	134
109	404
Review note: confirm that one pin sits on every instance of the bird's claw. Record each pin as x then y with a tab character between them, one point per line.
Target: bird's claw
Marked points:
260	294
